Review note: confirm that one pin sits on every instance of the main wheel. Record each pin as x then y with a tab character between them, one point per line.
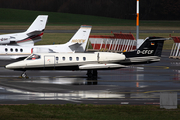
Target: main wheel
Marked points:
89	73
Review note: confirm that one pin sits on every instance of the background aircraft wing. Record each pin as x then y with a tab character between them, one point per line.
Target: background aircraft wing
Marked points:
18	57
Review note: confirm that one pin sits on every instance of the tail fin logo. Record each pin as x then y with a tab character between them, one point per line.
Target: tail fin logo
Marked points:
78	41
152	43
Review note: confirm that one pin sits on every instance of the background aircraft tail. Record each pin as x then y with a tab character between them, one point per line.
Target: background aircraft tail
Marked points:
34	32
79	41
28	38
39	24
31	39
152	46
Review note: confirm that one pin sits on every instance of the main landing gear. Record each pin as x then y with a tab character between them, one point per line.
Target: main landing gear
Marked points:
92	77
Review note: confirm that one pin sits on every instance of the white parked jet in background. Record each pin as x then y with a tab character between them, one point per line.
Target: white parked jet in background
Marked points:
29	37
150	51
76	44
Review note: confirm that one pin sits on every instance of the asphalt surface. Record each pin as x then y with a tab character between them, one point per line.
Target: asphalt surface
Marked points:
97	31
135	85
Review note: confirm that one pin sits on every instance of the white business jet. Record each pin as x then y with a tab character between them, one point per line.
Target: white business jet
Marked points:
76	44
150	51
33	34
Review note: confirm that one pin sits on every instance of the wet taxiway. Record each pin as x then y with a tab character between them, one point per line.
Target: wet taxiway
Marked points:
140	84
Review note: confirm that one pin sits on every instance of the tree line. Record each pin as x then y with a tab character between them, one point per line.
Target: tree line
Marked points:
122	9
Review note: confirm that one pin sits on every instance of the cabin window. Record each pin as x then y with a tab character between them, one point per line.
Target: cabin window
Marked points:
84	58
6	49
57	59
70	58
16	50
11	50
63	58
21	50
77	58
34	57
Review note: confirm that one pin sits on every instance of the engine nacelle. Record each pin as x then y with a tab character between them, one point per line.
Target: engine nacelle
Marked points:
111	57
4	40
41	50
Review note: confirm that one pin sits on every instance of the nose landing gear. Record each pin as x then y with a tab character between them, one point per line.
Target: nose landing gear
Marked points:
24	75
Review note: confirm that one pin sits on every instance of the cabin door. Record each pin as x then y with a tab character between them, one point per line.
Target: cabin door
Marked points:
98	57
49	61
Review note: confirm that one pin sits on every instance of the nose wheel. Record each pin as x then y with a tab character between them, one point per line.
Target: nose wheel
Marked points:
24	75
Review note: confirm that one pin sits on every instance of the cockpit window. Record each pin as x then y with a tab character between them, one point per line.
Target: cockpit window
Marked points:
34	57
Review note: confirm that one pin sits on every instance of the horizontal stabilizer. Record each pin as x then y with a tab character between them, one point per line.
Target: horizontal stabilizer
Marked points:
34	33
74	46
159	39
101	66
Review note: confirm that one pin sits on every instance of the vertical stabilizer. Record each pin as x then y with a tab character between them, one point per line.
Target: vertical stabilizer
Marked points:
79	41
152	46
34	33
38	24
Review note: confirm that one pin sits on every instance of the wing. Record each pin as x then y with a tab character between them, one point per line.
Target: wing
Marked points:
101	66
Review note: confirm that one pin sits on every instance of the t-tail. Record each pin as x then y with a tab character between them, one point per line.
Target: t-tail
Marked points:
149	51
79	41
35	31
33	34
28	38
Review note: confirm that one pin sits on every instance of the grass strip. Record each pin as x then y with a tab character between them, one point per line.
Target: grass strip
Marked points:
88	112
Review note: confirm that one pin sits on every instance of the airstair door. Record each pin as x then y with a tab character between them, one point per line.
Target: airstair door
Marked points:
49	62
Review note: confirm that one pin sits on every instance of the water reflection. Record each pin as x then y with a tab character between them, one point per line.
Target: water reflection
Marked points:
63	80
139	76
75	96
57	80
176	76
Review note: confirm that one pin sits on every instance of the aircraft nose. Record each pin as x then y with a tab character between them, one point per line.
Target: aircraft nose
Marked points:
12	66
15	65
8	67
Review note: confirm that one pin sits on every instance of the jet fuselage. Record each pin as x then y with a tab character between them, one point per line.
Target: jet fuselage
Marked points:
69	61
